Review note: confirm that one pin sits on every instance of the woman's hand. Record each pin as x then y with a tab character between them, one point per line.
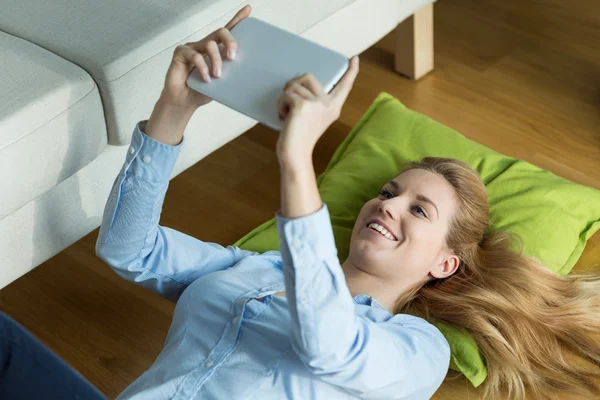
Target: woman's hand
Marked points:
178	102
308	111
176	92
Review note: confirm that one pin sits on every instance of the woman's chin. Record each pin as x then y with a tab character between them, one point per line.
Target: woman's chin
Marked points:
367	250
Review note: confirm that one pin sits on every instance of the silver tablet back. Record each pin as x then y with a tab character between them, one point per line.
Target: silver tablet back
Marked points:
267	57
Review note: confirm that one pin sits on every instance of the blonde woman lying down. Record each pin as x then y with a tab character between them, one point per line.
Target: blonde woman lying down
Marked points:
298	324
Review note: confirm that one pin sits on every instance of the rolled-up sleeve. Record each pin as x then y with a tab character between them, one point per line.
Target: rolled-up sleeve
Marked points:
131	240
403	356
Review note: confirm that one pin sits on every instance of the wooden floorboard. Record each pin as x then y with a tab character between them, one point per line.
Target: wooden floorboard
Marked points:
520	77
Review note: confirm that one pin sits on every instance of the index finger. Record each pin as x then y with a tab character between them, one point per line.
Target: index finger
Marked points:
341	90
243	13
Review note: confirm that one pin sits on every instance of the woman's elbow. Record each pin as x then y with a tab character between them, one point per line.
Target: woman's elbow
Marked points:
103	252
116	258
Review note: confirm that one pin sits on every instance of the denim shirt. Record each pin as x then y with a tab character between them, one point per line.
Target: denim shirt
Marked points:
317	342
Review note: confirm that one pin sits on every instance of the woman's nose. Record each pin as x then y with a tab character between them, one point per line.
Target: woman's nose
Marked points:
386	208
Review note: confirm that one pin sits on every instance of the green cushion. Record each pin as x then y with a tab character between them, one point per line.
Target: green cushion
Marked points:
555	217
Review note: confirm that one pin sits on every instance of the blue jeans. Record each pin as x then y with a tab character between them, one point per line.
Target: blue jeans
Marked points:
29	370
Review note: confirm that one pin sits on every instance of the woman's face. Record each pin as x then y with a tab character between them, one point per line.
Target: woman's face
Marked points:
416	207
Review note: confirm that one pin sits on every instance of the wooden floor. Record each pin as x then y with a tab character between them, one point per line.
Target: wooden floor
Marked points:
520	77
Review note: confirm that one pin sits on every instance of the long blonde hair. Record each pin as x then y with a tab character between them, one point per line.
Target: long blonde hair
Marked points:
522	315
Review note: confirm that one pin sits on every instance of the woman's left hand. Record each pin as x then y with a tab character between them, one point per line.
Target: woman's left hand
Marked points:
308	111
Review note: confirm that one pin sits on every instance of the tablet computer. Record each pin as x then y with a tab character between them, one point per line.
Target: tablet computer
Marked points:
267	58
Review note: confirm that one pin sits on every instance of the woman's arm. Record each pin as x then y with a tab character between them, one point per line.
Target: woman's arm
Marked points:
392	358
167	123
299	192
399	357
308	111
131	240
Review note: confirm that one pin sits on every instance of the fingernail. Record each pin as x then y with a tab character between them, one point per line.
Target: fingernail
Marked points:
218	72
232	54
207	77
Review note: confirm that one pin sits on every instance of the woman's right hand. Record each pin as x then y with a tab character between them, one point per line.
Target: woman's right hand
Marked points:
176	93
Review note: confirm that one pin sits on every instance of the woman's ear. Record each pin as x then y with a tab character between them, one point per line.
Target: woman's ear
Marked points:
447	266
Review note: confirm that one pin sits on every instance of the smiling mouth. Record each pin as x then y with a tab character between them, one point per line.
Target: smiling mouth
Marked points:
381	231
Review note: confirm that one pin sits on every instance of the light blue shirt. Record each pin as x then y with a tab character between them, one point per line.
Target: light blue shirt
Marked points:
317	342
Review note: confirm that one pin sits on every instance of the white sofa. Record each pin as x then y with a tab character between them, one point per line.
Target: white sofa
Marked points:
76	76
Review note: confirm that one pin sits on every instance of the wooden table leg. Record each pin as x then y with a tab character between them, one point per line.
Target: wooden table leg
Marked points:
414	44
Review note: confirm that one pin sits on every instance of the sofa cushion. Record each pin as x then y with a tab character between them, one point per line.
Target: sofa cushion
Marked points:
51	121
126	45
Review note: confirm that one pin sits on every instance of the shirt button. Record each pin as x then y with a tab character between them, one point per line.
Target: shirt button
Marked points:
147	159
235	320
209	363
303	300
131	150
297	243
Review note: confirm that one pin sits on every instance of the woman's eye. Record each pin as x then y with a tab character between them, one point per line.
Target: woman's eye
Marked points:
418	208
385	193
388	195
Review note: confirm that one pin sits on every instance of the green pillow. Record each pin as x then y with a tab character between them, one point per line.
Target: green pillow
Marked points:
553	216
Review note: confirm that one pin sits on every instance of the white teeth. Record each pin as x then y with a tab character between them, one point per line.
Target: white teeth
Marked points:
381	230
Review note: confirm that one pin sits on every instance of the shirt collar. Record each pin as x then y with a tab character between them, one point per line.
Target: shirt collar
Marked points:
368	301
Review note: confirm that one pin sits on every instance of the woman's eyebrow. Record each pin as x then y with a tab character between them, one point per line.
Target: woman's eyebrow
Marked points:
419	196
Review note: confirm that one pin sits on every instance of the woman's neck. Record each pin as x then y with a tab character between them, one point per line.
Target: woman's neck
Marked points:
361	282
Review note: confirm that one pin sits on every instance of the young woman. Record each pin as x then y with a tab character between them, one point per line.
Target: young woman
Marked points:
297	324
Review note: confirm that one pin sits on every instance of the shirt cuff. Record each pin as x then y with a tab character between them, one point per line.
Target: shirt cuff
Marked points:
148	159
311	233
